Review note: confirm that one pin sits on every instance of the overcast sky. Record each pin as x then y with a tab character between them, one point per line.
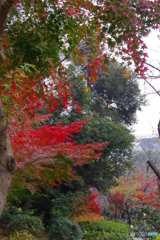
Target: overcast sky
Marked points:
149	116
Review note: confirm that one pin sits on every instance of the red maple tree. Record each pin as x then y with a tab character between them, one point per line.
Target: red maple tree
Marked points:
48	153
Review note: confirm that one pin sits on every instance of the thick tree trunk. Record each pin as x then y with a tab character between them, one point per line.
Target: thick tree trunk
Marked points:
8	164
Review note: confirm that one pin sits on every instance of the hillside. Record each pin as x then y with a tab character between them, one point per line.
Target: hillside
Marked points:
147	144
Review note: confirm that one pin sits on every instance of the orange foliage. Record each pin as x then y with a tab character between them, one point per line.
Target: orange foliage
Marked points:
88	210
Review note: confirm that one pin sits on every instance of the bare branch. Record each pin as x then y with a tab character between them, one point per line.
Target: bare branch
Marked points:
153	87
153	66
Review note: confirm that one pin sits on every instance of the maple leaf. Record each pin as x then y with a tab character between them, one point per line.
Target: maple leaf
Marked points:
127	74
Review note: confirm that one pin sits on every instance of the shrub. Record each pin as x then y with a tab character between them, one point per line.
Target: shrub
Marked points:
21	235
103	225
6	216
106	235
59	202
26	222
105	230
62	228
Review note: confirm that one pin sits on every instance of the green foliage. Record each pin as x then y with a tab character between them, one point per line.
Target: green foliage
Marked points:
63	229
6	216
26	222
31	44
108	226
116	157
105	230
106	236
42	205
8	213
20	235
19	191
116	96
59	201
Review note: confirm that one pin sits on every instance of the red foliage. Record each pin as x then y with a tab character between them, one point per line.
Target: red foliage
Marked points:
93	206
148	194
50	151
88	210
118	199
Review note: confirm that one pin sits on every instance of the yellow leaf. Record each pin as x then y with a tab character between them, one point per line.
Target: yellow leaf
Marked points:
19	77
87	89
106	73
84	77
127	74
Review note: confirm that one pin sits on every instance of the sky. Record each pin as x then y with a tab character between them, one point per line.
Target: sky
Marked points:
147	119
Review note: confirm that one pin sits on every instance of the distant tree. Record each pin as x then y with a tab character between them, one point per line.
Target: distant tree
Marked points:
116	157
116	95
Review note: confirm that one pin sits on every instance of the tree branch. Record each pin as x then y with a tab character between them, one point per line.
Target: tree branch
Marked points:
4	10
153	66
154	168
153	88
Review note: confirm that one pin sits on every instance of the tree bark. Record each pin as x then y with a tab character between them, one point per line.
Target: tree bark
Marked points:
25	205
5	6
154	168
8	164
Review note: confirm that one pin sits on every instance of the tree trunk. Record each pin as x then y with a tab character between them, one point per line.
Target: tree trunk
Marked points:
25	205
154	168
8	164
5	6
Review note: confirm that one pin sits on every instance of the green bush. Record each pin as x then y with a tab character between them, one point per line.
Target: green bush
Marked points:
8	213
6	216
26	222
105	230
58	202
21	235
63	229
107	226
106	236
